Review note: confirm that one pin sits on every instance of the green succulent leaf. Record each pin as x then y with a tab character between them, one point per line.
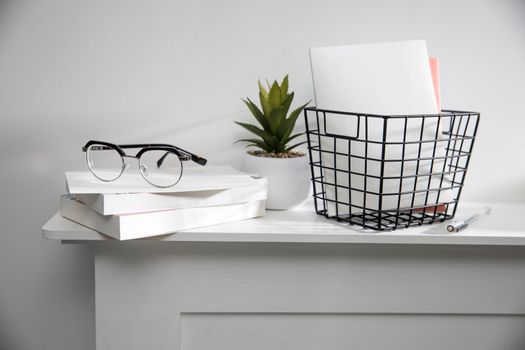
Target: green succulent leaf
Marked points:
262	90
287	140
265	136
288	124
284	88
277	116
275	143
265	105
258	114
292	119
274	96
283	128
287	102
256	143
248	140
288	149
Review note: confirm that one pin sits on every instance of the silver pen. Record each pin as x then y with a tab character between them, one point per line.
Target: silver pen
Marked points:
459	225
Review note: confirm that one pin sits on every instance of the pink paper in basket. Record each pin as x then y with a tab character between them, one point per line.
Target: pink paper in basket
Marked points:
434	69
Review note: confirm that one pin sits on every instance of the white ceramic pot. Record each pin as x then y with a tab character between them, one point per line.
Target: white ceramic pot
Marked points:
288	179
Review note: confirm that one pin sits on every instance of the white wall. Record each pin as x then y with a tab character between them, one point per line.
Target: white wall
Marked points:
174	71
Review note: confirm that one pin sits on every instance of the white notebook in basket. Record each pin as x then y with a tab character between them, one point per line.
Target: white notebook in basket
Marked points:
385	79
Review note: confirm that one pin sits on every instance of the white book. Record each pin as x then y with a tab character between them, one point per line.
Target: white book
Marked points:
131	203
387	79
193	179
125	227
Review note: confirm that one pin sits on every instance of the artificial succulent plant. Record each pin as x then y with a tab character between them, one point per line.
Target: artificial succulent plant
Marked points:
275	125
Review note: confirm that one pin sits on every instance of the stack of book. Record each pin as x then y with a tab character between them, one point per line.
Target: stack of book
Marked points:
130	208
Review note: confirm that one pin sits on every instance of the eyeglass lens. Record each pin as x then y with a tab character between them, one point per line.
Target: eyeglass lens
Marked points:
104	162
161	174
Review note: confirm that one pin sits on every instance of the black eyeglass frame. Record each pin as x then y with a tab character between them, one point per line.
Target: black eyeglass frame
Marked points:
182	154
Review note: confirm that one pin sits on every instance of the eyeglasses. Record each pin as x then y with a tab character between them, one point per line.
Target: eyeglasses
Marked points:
160	164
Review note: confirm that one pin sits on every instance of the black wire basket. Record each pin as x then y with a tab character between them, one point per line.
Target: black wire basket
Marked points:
388	172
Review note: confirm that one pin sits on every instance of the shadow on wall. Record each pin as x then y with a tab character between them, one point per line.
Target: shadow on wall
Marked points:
7	340
9	11
5	6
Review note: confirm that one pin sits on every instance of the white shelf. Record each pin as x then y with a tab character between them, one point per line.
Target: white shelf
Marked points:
502	227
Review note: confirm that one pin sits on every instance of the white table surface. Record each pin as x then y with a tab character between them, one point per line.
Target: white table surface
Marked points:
505	225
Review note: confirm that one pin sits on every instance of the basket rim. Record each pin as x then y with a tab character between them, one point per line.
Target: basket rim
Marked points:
444	113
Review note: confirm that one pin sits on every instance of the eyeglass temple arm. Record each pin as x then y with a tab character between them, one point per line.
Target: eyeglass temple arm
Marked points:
197	159
193	157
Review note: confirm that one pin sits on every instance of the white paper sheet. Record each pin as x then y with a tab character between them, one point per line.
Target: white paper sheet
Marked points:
386	79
